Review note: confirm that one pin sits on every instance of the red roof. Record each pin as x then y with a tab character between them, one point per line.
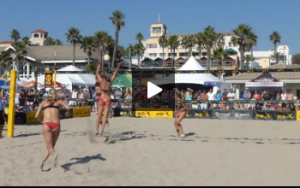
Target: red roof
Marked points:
6	42
39	31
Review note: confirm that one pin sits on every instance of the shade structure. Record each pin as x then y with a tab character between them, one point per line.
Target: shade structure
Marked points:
125	80
6	85
265	80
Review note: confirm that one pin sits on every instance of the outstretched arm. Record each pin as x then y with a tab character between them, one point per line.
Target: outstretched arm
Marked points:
98	76
116	71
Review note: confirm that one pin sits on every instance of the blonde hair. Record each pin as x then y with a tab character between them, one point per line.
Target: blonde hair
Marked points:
52	98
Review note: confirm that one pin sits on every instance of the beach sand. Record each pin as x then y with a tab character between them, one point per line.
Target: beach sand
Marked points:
140	151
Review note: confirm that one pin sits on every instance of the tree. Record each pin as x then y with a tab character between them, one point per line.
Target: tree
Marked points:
49	41
20	51
219	53
248	58
275	38
101	39
277	56
209	40
163	42
92	66
173	42
26	41
4	58
118	20
242	32
74	37
139	37
251	41
15	35
200	42
296	59
88	45
189	42
58	42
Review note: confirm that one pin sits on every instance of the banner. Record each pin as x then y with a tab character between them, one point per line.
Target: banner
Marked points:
263	114
202	114
48	78
154	114
81	112
241	114
220	114
284	115
30	117
210	84
64	115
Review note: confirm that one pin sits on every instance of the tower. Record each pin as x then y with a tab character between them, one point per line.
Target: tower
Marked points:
38	37
158	29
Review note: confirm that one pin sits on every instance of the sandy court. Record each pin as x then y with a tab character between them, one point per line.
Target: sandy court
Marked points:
142	151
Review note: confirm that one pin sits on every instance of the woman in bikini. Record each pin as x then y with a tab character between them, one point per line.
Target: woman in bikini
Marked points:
104	104
51	123
180	113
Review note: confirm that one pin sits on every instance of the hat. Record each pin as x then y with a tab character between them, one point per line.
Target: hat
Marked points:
85	89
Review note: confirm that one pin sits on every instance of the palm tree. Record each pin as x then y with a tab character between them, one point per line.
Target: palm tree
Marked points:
163	42
277	56
88	45
49	41
101	40
118	20
189	42
296	59
275	38
200	42
183	44
20	51
209	40
15	35
58	42
251	41
242	32
74	37
173	42
139	37
26	41
248	58
4	58
219	53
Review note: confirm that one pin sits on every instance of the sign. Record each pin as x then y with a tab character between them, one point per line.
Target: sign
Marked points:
210	84
81	112
63	114
30	117
241	114
154	114
48	78
263	114
284	115
220	114
202	114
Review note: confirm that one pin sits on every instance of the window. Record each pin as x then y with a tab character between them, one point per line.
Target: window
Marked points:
230	44
228	64
161	54
46	35
152	55
183	54
156	30
151	46
36	35
204	54
170	54
203	64
195	54
234	45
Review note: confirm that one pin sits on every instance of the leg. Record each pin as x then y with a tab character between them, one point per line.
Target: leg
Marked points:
1	129
106	114
55	134
100	109
181	116
176	125
48	136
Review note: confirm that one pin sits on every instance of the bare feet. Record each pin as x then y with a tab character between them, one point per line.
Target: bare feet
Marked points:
42	165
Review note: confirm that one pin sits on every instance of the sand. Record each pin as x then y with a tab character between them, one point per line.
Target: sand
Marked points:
136	151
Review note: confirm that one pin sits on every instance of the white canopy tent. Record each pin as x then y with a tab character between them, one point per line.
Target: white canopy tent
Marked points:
193	78
70	68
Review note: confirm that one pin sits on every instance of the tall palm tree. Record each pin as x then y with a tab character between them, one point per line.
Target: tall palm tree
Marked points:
88	45
275	38
15	35
173	42
74	37
296	59
101	40
241	33
248	58
4	58
277	56
184	44
20	51
163	42
209	40
58	42
200	42
118	20
251	41
49	41
139	37
219	53
26	41
189	42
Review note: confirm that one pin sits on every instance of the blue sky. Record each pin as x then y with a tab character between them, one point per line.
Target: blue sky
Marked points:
185	16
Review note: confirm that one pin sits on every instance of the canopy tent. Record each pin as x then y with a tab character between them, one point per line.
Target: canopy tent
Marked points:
192	78
126	81
265	80
70	68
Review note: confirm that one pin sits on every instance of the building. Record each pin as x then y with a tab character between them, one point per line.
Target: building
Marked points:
38	37
154	53
263	59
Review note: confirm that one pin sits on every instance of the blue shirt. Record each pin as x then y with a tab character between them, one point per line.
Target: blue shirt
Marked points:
247	94
218	96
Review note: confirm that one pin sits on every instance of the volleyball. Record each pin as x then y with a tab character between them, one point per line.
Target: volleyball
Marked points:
106	57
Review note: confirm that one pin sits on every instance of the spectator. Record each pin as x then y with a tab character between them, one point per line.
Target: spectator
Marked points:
211	95
267	107
203	98
289	95
256	96
188	94
60	95
86	96
266	96
218	95
91	103
292	107
242	95
182	94
230	95
81	97
257	107
224	95
74	96
118	94
199	95
164	95
117	109
247	97
30	98
22	96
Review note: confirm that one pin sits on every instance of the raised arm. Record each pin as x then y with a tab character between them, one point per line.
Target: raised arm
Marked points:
98	76
116	71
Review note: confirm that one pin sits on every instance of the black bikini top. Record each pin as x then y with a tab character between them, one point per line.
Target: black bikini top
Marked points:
51	106
106	91
97	84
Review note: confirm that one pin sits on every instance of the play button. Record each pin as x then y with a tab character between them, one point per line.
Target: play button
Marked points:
152	90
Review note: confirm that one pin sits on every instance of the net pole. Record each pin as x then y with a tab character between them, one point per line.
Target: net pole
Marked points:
11	107
54	81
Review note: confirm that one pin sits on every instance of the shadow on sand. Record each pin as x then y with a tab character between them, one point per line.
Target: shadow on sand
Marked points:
82	160
123	136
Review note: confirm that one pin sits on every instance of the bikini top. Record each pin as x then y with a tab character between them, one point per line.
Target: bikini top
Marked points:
51	106
106	90
97	84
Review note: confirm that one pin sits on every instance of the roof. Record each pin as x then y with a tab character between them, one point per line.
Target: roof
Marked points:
277	75
39	31
183	35
65	52
191	64
70	68
6	42
159	23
